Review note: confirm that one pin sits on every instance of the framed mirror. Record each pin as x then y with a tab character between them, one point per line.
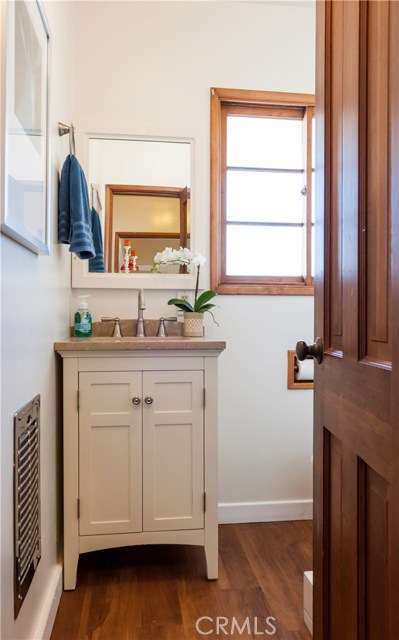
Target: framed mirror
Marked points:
141	189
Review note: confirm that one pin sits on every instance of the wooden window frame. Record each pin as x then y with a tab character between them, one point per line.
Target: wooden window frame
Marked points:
253	285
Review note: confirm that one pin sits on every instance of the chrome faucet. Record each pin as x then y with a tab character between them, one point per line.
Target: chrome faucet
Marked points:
162	332
117	331
140	331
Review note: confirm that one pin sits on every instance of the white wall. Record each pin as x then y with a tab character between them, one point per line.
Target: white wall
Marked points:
35	312
153	73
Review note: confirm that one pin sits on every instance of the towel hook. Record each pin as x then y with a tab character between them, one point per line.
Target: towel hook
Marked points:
63	129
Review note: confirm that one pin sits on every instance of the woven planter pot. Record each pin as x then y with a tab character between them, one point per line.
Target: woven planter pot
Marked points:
193	324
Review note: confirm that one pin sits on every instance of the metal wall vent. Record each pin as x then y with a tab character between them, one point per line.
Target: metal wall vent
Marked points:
27	542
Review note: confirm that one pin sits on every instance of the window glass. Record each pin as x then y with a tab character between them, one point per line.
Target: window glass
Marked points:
264	251
264	142
264	197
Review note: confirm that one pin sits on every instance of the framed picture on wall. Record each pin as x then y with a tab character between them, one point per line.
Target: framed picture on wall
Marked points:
25	215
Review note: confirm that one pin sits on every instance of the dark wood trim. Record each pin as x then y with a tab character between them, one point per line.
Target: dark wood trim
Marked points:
215	183
263	97
393	570
292	112
321	461
225	101
265	289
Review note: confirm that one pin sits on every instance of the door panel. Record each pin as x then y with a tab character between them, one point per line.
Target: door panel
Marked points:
110	450
173	446
356	465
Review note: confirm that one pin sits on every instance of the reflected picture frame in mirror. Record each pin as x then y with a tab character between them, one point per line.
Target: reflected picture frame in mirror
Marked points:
156	164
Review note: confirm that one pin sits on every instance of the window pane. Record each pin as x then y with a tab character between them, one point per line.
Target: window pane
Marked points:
264	197
264	142
264	251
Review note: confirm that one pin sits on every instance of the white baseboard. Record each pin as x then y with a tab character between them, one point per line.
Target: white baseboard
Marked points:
233	512
50	606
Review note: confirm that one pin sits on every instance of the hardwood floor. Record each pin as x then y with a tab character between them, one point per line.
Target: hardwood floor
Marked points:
161	592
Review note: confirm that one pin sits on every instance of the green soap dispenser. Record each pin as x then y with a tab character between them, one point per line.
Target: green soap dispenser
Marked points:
82	328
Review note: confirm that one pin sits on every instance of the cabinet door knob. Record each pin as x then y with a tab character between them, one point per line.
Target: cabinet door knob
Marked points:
136	400
148	400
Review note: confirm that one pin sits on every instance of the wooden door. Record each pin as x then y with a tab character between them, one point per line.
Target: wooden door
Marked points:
173	450
110	452
356	462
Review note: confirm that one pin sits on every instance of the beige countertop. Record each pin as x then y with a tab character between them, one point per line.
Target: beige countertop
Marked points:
133	343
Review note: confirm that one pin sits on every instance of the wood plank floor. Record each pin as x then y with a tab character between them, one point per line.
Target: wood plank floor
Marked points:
161	592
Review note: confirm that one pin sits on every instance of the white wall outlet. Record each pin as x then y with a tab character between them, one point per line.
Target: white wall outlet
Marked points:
182	295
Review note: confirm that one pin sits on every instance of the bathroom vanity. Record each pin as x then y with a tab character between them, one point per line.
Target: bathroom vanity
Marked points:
140	445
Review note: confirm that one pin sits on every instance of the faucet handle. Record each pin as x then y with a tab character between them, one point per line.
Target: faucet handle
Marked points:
162	328
117	331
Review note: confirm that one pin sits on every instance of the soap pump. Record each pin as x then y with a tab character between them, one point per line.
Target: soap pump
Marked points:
82	327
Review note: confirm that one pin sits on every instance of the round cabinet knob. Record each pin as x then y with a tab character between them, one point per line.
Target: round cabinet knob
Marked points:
136	400
314	350
148	400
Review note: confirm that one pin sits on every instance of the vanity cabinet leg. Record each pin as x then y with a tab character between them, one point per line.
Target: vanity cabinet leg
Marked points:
212	555
70	571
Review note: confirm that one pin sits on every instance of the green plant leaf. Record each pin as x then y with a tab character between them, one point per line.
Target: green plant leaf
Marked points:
181	304
204	298
205	307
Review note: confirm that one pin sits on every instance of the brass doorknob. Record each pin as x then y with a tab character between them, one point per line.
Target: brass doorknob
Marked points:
314	350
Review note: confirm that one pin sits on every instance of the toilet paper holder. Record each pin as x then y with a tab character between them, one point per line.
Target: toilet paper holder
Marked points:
294	368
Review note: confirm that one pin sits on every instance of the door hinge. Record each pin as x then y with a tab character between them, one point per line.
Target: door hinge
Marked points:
78	507
78	399
203	397
204	501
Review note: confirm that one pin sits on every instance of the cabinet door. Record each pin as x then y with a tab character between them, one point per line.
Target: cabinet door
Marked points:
173	450
110	452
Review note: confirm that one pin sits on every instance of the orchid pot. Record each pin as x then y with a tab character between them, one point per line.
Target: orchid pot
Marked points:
193	324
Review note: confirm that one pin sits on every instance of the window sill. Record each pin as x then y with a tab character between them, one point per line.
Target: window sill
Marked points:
264	289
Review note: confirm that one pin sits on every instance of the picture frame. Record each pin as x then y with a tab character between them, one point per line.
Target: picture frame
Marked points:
25	180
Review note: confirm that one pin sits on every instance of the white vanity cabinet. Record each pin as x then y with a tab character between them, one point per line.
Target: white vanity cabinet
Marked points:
140	446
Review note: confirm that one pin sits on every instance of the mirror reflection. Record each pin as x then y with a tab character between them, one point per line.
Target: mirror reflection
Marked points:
141	190
140	221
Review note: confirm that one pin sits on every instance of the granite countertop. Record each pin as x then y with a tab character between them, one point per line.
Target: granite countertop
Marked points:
131	343
101	339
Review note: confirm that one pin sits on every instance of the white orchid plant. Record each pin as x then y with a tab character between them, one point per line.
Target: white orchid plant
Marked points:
190	259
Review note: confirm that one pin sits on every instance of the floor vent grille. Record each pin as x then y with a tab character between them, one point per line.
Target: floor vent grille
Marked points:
26	498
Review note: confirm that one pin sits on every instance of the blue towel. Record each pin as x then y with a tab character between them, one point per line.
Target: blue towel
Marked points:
97	263
74	217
